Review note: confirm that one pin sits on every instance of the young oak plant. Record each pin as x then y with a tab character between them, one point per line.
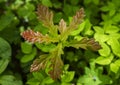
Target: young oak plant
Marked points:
58	35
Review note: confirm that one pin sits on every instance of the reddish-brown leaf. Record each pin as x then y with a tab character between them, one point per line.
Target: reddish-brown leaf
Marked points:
33	37
94	45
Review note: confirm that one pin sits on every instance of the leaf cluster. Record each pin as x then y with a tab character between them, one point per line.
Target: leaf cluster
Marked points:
61	38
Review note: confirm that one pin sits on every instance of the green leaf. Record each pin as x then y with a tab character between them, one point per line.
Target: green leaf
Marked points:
44	47
29	57
105	51
74	2
6	20
3	64
47	3
90	78
87	1
26	47
98	29
117	62
104	8
114	68
57	17
96	1
101	37
64	83
2	1
57	4
70	56
78	37
112	12
66	67
40	28
10	35
68	76
48	80
115	45
79	29
26	10
116	18
67	9
38	75
9	80
106	80
33	81
79	84
87	30
111	29
5	49
104	60
114	35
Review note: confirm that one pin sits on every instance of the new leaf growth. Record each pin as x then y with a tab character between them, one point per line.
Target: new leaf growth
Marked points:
53	60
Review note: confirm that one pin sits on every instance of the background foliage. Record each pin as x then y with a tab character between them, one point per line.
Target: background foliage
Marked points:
82	67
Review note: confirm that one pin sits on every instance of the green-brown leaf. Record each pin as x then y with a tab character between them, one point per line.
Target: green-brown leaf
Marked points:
77	19
45	15
56	64
85	44
39	63
62	26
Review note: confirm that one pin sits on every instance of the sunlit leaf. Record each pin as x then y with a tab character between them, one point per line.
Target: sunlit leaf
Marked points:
68	76
48	80
114	68
101	37
117	62
80	28
90	78
105	51
98	29
104	60
115	45
111	29
87	29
